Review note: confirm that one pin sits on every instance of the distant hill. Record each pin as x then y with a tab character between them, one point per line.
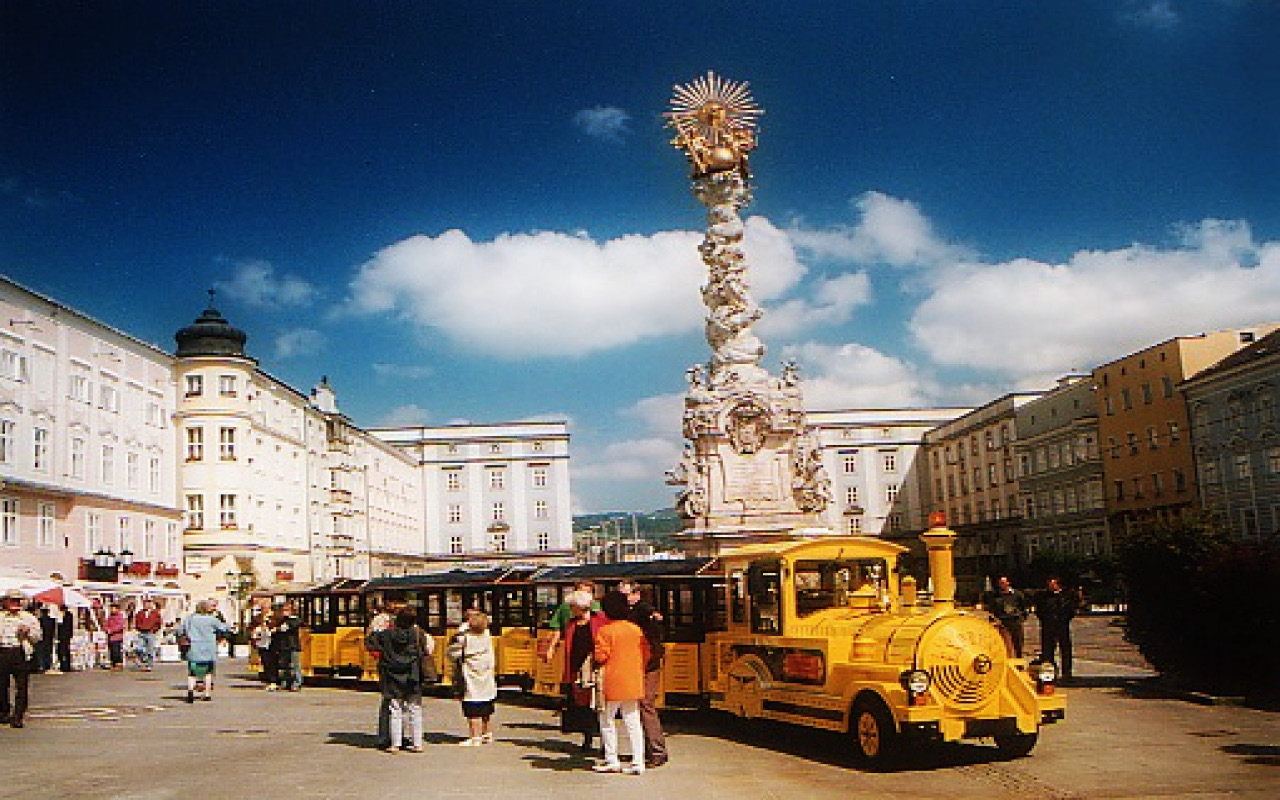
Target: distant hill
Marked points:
649	524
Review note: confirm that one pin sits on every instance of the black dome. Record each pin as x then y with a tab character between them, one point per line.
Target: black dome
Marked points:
210	335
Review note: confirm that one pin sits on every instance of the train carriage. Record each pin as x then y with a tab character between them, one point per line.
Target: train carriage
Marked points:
505	594
687	593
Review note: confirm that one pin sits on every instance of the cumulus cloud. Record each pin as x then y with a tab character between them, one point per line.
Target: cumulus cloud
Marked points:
1026	317
856	376
556	294
831	302
608	123
889	231
257	284
299	342
405	415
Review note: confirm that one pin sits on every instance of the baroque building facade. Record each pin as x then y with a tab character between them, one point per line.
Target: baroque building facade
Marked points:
1061	490
492	493
199	472
969	471
87	448
1235	436
1148	462
871	456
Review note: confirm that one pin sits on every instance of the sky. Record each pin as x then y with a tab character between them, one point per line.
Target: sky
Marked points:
472	212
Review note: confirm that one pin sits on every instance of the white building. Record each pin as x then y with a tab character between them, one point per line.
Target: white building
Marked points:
87	447
493	493
870	456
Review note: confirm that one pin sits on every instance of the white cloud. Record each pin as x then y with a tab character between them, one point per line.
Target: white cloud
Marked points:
658	414
1027	317
257	284
889	231
603	122
554	294
855	376
405	415
832	303
299	342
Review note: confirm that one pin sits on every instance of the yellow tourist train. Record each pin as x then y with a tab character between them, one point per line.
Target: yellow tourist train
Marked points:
815	631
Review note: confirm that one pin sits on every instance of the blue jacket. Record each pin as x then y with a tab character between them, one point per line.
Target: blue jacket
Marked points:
203	630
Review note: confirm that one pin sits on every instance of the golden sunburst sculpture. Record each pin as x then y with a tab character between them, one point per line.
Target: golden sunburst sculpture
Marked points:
715	121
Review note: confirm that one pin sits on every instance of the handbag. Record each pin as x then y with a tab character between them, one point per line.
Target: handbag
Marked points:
458	679
425	647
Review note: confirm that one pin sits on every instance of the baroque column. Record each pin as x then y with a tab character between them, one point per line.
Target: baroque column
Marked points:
751	470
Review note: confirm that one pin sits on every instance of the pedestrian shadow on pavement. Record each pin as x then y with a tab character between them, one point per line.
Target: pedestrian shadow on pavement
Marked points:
367	741
1266	755
532	726
560	756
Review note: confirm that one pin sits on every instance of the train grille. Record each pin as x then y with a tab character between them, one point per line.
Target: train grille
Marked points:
966	658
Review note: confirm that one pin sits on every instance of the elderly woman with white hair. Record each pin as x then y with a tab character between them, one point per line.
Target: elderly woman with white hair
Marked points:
578	683
201	630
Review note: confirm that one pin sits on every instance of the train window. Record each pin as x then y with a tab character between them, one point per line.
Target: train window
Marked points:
833	584
764	585
547	600
738	596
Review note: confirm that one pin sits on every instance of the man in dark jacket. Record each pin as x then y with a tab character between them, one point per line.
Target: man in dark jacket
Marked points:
1009	606
1056	608
644	615
48	638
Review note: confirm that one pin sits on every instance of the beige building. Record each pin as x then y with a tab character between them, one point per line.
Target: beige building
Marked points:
87	449
969	471
1148	462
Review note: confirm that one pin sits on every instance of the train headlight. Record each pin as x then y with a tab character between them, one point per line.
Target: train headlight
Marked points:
1046	672
915	681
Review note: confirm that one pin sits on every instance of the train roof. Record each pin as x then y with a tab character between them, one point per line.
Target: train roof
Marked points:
819	546
454	577
658	568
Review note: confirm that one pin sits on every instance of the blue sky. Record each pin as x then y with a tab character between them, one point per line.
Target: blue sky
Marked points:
470	211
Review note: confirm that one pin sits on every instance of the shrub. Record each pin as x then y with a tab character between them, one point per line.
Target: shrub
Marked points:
1199	609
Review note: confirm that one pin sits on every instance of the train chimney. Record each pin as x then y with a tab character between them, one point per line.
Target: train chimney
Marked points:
938	542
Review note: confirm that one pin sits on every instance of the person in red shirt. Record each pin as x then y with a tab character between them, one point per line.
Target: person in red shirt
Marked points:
621	651
147	621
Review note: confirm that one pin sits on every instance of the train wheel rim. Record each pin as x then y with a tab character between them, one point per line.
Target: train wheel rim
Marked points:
869	734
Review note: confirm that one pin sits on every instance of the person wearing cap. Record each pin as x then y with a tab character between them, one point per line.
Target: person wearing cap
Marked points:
19	632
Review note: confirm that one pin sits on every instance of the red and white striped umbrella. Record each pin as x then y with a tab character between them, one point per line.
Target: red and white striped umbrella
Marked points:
63	596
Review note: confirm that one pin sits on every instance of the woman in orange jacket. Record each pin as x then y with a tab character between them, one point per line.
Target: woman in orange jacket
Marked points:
621	651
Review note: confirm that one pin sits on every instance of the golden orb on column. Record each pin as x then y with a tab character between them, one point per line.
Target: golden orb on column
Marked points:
722	159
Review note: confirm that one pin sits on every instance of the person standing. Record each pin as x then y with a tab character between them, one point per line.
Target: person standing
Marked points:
66	631
286	643
201	630
1010	608
1056	608
19	633
260	639
649	620
148	622
560	618
115	627
622	652
472	650
48	637
578	679
381	620
400	655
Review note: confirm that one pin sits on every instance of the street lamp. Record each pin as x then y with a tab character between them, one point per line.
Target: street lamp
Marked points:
239	586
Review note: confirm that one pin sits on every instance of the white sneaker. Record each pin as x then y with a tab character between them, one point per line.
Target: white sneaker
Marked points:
486	738
633	769
607	768
472	742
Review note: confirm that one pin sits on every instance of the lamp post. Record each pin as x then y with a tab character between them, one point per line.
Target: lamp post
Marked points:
106	565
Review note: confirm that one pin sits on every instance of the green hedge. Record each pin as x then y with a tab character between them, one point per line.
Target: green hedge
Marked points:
1203	608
